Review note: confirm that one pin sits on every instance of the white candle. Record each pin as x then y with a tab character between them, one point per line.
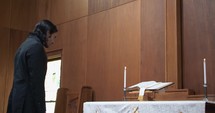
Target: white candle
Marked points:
204	66
124	77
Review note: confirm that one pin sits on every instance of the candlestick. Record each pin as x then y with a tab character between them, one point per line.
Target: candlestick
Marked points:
204	66
124	89
124	77
205	80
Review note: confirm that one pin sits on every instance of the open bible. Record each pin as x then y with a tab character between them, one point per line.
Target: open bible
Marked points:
148	86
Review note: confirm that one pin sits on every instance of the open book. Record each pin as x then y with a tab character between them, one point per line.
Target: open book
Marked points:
149	85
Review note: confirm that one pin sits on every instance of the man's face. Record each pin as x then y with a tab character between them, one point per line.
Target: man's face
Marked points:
51	38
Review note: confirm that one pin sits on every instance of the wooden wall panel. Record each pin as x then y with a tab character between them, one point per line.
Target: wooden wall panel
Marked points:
96	6
4	54
43	9
74	55
113	42
153	40
66	10
23	14
173	43
5	13
198	43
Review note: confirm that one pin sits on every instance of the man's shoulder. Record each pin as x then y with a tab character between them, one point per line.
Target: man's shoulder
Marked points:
32	42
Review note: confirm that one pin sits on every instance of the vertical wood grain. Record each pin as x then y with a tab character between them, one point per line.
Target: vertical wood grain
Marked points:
113	42
23	14
4	54
198	42
173	43
67	10
96	6
43	9
153	40
74	55
5	9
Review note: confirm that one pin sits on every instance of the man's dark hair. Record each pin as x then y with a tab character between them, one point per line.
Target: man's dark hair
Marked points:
41	29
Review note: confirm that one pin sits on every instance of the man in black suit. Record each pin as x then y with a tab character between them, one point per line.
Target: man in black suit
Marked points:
30	65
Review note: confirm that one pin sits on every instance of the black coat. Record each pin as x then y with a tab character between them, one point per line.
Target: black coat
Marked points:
30	65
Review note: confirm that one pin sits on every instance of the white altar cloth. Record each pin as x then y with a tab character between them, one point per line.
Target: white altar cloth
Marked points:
144	107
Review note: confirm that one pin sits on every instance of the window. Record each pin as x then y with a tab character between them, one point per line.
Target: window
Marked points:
52	83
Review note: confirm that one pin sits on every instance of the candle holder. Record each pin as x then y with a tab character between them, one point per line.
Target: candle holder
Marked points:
205	92
124	90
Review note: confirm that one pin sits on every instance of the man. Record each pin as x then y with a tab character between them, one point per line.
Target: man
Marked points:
30	65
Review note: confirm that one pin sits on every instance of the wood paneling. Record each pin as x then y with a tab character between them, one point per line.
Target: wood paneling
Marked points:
74	56
173	43
198	43
43	9
66	10
153	40
23	14
4	54
113	42
5	13
96	6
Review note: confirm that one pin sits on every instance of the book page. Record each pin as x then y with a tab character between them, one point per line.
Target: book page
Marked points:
159	85
144	84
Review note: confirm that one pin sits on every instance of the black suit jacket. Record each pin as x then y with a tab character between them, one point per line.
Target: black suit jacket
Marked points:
30	65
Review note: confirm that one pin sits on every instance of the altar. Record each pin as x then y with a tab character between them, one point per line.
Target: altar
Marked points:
145	107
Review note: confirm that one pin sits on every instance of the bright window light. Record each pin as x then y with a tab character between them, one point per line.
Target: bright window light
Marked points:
52	83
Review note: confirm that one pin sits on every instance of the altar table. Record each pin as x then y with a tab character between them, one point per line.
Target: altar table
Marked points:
145	107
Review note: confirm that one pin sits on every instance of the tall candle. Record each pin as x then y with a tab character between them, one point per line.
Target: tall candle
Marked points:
204	66
124	77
